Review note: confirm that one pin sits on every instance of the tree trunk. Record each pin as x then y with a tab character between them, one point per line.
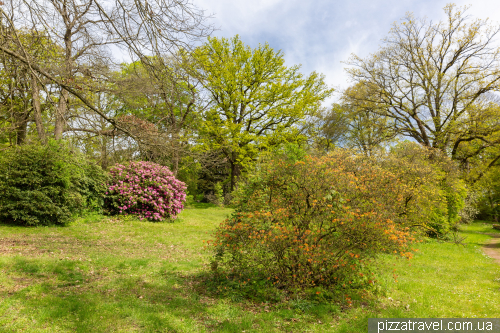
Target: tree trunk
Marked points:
175	153
60	114
37	108
63	101
175	162
104	153
235	174
21	127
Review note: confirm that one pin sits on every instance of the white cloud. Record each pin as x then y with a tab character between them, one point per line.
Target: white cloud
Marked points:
320	34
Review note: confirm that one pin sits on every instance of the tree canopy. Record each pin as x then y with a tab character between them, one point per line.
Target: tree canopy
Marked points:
257	101
211	108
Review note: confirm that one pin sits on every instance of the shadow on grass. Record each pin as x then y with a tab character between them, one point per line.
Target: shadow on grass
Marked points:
62	295
79	217
91	311
492	246
66	295
478	234
13	224
261	294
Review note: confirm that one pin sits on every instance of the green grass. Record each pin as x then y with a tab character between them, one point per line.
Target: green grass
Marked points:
122	275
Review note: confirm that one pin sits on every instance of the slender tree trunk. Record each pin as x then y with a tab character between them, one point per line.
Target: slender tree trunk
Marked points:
37	108
175	160
60	114
63	101
235	173
104	153
104	138
175	154
21	127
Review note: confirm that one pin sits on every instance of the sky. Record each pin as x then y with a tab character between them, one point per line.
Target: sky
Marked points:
320	34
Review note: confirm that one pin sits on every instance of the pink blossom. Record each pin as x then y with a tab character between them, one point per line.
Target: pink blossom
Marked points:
147	189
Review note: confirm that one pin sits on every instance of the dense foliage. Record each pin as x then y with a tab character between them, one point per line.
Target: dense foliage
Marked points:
433	191
309	221
209	111
47	184
316	222
145	189
488	195
258	101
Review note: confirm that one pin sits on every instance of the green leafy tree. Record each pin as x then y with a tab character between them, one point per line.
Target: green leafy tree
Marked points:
488	191
257	101
367	130
327	129
83	31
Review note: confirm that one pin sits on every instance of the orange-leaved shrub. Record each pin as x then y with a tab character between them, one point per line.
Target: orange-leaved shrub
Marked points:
318	222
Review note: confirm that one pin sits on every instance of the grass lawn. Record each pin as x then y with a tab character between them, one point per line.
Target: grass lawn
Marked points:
108	275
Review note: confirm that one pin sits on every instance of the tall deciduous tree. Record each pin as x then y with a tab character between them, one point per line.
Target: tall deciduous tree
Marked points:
21	101
257	100
430	78
327	129
367	129
163	92
84	29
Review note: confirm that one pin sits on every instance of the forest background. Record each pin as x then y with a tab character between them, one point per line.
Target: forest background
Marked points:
213	109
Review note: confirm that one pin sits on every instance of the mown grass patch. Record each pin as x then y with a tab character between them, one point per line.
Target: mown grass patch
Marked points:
123	275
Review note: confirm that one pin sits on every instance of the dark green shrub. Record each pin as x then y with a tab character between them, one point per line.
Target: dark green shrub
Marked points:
46	185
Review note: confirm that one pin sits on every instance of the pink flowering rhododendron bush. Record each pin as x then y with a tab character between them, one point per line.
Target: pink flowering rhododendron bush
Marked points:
145	189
